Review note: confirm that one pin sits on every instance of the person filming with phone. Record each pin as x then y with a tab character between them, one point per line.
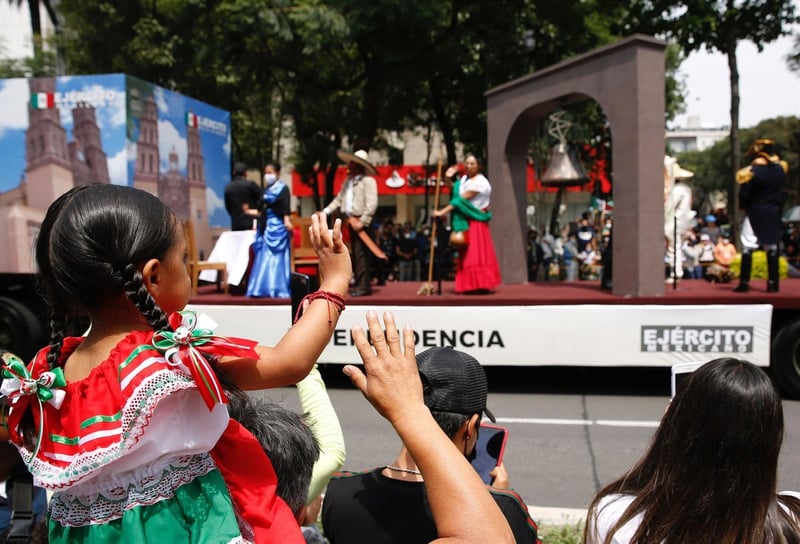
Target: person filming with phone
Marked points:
390	503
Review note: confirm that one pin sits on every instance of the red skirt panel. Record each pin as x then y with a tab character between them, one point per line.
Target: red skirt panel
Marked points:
477	267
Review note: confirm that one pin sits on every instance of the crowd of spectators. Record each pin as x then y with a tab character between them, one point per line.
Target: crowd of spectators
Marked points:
577	252
408	248
708	250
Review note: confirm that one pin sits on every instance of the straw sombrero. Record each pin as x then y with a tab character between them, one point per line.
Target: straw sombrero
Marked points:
681	173
675	170
359	157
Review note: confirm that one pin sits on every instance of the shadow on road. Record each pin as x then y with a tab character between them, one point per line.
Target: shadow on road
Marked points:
556	380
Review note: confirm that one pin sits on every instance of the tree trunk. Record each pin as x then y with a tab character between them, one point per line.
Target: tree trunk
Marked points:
367	125
36	27
331	171
735	151
51	13
444	123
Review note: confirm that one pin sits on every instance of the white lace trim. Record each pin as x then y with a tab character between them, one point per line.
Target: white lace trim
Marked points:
136	416
75	508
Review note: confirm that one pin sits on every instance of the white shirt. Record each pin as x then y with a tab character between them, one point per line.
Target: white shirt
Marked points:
347	206
479	184
610	509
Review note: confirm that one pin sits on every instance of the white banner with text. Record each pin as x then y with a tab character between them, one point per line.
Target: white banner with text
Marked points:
568	335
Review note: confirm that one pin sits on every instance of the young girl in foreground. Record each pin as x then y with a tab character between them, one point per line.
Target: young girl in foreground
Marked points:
710	474
128	425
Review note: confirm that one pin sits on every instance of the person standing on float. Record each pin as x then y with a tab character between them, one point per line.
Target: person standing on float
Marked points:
761	196
477	271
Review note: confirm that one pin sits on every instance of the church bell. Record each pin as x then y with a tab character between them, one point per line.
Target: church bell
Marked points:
564	168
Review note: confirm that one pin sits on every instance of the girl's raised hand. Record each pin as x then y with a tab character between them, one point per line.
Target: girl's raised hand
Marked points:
335	267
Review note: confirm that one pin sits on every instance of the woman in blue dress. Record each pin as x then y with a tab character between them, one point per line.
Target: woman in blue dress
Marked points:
269	276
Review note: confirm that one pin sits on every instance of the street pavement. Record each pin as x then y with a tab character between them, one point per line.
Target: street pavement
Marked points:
571	430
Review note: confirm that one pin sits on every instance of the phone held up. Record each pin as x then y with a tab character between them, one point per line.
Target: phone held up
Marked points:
681	373
489	450
299	286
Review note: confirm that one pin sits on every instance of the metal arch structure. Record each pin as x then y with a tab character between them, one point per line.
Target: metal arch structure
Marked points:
627	79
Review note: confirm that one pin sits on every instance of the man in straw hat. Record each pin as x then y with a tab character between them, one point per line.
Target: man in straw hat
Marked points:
389	503
358	200
761	196
678	213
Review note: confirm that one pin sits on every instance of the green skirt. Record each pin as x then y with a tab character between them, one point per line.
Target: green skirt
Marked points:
199	512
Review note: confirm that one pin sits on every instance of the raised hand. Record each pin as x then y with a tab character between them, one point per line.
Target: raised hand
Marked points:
335	267
390	381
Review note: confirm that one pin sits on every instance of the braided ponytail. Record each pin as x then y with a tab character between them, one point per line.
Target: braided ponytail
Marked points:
91	242
57	332
137	293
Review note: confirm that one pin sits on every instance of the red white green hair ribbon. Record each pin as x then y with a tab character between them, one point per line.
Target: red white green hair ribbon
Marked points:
19	386
192	335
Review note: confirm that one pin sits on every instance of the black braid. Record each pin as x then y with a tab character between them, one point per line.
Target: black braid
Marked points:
57	332
137	292
58	325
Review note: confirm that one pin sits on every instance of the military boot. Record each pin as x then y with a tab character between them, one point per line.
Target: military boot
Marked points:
744	276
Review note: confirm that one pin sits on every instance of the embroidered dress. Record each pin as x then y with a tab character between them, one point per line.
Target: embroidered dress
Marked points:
128	455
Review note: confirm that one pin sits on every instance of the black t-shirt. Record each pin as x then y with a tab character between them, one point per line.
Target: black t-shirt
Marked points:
369	507
407	246
238	192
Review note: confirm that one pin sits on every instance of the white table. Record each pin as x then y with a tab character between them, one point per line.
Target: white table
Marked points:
233	249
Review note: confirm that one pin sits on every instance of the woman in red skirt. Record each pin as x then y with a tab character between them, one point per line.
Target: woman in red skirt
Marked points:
477	270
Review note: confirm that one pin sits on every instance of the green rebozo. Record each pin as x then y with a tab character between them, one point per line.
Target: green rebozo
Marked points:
463	210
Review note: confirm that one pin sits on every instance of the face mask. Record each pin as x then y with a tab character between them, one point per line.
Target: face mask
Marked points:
269	179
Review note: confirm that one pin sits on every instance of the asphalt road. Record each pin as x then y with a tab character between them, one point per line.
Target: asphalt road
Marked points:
571	430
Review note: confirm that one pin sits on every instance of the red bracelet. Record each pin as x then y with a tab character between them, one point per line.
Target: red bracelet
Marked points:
335	298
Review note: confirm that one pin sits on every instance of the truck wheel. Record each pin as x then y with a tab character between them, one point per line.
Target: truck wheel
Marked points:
21	332
786	359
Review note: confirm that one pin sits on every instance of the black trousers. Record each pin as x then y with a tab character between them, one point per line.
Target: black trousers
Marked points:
362	259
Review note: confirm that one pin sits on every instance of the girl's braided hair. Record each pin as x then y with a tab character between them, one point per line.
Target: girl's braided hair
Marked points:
91	245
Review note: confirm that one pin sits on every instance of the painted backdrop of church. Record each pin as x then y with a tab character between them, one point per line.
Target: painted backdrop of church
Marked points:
58	133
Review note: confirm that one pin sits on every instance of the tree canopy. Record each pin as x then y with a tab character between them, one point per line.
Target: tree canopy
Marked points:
712	169
716	25
334	71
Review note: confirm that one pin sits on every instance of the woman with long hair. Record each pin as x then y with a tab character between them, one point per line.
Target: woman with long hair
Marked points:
710	474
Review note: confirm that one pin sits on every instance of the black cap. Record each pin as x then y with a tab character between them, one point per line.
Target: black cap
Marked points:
453	381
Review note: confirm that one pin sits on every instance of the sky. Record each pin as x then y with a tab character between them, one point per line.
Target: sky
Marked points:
767	88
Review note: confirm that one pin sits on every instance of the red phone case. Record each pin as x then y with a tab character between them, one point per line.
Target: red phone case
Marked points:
505	438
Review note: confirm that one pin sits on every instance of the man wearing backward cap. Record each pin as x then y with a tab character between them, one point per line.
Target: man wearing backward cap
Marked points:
389	503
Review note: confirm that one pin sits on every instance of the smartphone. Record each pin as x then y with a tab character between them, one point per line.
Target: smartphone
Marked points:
680	373
489	450
299	286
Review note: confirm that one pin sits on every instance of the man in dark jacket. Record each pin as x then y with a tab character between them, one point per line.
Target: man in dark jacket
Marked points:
241	199
761	196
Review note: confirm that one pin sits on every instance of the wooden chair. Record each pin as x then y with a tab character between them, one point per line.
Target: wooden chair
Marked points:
302	253
194	266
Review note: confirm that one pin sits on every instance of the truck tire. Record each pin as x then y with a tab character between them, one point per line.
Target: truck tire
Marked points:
21	331
785	363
